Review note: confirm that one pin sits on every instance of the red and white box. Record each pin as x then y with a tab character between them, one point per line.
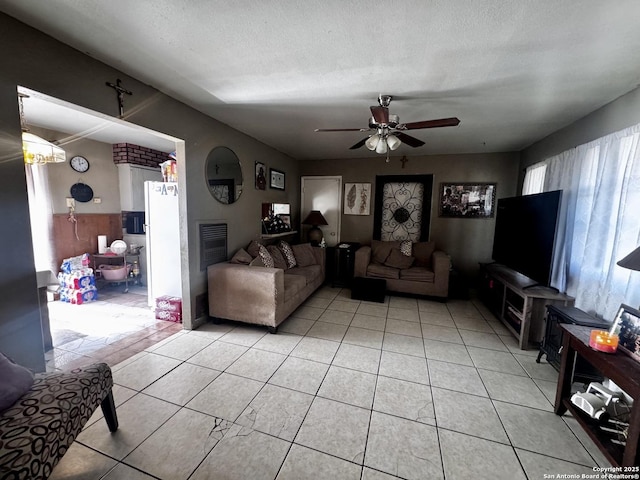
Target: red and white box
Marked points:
169	308
168	316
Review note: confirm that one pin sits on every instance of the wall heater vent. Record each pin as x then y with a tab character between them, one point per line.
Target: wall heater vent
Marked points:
213	244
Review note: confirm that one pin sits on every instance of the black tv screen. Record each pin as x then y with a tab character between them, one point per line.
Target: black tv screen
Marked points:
525	234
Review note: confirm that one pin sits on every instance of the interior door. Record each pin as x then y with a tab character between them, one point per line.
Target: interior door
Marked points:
324	194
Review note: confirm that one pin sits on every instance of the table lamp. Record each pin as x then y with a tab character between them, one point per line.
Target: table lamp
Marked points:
315	218
631	261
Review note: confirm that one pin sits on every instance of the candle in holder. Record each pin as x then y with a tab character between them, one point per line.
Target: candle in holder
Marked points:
603	341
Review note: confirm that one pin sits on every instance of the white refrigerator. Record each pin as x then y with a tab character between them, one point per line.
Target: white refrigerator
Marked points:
162	231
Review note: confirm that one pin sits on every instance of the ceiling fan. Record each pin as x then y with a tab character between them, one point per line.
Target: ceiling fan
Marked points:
389	132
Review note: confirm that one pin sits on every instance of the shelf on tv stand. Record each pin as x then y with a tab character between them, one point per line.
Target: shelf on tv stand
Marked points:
509	294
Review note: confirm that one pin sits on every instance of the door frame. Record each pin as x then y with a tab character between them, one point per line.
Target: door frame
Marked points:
302	198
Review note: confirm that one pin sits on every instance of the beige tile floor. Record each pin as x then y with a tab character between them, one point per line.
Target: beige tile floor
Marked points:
408	389
115	327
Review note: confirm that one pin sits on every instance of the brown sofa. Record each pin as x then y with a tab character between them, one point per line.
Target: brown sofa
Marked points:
264	296
424	272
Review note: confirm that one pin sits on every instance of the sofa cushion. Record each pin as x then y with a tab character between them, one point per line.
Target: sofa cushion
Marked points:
382	271
15	381
256	262
397	259
292	285
310	273
422	251
287	253
253	248
266	257
417	274
304	254
278	258
380	250
241	257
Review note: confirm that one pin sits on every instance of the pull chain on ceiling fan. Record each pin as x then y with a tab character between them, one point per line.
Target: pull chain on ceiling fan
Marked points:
389	132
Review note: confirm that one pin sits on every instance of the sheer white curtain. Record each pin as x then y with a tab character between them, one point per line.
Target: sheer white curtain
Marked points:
534	179
599	221
41	217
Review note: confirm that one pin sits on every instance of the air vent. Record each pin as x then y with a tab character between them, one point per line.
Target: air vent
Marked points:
213	244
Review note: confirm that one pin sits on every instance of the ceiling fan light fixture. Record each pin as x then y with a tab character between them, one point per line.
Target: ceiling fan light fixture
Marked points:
393	142
382	146
39	151
373	141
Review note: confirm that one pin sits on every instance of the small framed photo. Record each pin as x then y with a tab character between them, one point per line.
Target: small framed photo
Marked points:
261	176
467	200
277	179
627	326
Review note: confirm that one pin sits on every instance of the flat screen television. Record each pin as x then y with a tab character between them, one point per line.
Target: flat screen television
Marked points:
525	234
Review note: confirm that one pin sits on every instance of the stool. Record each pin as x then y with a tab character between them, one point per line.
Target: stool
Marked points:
368	289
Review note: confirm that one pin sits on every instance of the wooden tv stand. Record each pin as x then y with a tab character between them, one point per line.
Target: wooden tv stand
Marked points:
521	308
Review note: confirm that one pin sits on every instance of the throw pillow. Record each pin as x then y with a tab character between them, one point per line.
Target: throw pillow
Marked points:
278	258
289	257
266	257
406	247
15	381
242	257
396	259
254	248
380	250
423	251
304	255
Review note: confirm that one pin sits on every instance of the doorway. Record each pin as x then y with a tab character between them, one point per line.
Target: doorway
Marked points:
118	324
323	193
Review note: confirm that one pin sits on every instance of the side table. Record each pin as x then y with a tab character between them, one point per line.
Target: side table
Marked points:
343	263
621	369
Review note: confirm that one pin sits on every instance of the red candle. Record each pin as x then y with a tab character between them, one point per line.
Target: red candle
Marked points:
602	341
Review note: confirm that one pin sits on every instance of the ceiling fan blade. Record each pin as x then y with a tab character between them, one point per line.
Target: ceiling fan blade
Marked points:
409	140
380	114
341	129
440	122
359	144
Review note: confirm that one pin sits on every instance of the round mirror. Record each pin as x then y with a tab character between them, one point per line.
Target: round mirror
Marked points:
224	175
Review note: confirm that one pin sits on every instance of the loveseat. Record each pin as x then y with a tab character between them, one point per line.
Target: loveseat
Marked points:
246	290
415	268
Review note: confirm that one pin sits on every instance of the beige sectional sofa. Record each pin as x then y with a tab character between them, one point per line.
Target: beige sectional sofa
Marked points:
424	272
264	296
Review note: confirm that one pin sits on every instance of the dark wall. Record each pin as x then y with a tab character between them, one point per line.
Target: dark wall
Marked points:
467	240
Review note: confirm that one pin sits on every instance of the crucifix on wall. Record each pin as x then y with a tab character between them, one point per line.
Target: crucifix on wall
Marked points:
120	91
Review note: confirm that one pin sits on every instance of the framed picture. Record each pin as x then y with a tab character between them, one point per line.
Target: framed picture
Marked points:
261	176
467	200
627	326
277	179
357	198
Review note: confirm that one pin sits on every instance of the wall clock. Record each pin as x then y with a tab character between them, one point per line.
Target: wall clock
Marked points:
79	163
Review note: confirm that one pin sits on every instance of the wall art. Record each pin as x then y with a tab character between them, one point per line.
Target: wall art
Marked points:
357	198
467	200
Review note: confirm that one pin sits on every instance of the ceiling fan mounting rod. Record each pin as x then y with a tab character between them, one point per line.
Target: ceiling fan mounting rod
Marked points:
384	100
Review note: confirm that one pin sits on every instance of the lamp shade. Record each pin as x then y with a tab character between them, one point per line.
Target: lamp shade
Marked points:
372	142
393	142
314	218
631	261
382	146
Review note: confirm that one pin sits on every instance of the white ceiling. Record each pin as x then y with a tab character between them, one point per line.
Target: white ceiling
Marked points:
512	71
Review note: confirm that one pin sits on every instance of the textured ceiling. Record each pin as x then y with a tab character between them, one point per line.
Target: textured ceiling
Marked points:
513	72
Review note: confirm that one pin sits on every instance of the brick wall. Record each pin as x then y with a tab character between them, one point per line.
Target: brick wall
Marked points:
137	155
